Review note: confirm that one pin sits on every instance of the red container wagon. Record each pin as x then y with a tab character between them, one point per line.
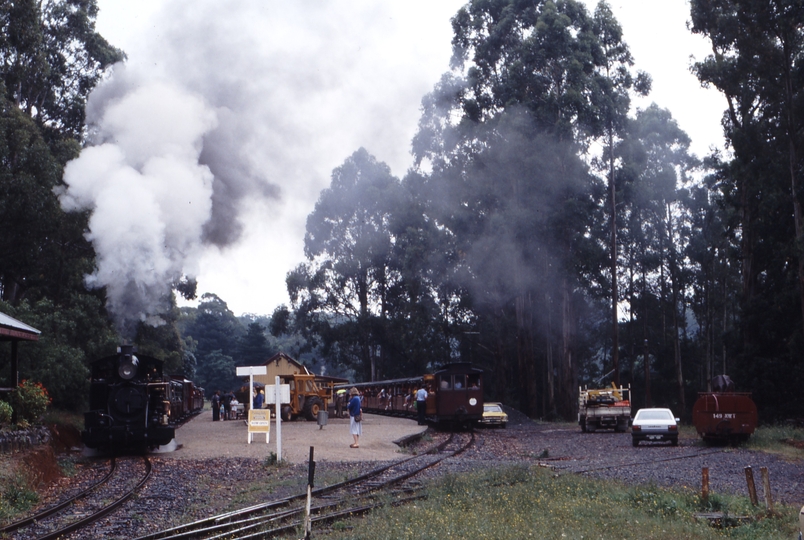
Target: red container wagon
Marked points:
724	416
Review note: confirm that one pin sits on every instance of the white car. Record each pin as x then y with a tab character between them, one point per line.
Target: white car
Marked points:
654	425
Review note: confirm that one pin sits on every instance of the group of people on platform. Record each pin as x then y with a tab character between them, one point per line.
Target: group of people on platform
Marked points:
224	407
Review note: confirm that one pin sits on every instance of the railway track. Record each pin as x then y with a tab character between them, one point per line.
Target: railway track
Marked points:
635	463
390	484
120	483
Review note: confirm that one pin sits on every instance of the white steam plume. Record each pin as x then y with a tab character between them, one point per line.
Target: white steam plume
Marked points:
295	88
149	196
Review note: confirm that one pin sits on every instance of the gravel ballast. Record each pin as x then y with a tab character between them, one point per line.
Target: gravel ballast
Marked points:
215	469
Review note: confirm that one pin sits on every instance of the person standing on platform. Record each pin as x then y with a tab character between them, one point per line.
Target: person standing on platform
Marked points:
355	417
227	405
216	406
421	404
259	398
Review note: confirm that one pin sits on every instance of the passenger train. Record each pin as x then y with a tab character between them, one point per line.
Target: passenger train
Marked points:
455	395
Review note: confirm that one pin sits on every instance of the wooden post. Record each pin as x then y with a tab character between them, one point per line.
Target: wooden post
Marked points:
767	488
308	529
15	378
705	484
752	489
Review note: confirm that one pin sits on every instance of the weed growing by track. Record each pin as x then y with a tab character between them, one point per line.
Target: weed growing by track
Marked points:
778	439
522	502
16	494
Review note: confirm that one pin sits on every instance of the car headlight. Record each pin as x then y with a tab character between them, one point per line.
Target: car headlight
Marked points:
128	367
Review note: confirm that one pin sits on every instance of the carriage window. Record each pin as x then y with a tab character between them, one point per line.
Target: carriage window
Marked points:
474	382
460	381
446	383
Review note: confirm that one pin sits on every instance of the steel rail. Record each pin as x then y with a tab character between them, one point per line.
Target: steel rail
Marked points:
230	524
60	506
644	462
106	510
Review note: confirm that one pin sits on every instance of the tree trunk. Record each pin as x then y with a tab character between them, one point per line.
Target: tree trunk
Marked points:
674	283
615	330
551	382
569	401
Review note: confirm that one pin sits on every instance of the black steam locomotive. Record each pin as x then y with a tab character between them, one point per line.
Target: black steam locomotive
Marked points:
133	405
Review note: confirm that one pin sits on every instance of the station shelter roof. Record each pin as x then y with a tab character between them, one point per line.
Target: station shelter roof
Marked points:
13	330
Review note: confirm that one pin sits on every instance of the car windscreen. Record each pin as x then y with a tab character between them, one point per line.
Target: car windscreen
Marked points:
654	415
492	408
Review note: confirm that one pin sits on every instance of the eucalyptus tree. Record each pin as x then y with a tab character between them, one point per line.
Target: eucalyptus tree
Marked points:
253	347
756	62
214	332
615	82
350	289
716	281
542	61
657	167
51	58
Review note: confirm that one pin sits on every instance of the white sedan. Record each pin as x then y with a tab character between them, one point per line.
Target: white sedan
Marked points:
654	425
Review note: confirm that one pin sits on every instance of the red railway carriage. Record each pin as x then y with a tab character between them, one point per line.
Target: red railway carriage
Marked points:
455	395
724	416
459	395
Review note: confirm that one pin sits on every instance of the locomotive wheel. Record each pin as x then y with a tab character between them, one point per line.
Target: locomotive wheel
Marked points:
583	425
311	407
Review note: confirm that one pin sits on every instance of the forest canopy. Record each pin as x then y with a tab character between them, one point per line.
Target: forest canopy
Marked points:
549	232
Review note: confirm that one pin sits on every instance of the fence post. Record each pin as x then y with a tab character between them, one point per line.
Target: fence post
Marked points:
752	488
705	484
767	488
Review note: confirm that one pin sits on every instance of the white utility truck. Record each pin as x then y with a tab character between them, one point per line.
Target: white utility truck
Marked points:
604	408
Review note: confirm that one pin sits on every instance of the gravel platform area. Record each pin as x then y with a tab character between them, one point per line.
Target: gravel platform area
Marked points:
215	470
605	454
201	438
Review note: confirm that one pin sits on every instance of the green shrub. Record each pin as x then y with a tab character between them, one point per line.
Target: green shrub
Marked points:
30	400
5	413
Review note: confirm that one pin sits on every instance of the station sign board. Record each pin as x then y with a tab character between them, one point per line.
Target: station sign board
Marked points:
284	394
259	421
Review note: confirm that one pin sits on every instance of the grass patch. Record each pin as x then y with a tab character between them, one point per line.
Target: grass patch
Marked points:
522	502
64	418
16	494
772	439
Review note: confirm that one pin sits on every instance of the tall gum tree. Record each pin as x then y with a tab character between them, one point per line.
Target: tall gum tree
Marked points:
344	287
756	62
545	58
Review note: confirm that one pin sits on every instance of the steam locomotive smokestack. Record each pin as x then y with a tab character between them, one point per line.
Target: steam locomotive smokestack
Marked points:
126	350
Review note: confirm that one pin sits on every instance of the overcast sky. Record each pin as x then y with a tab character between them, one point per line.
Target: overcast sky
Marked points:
288	90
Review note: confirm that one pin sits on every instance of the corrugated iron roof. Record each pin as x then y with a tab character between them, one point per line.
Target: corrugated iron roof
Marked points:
11	328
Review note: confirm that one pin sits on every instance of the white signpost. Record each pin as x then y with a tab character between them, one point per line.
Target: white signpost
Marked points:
280	395
250	371
279	417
